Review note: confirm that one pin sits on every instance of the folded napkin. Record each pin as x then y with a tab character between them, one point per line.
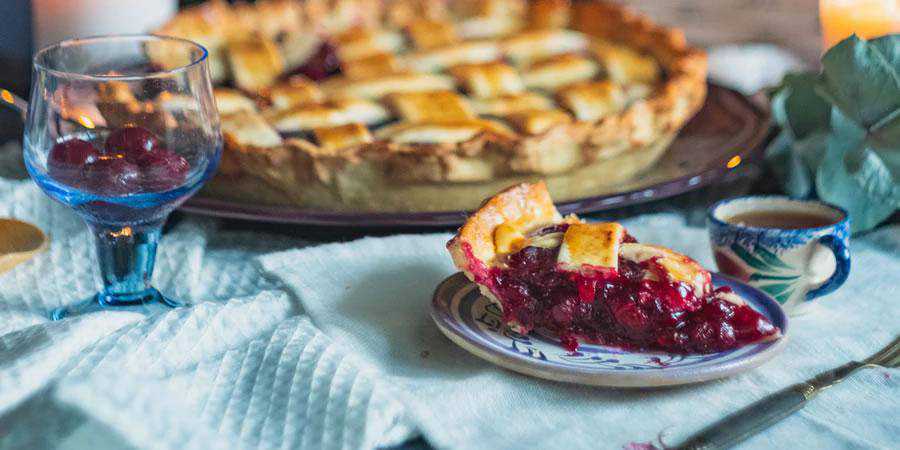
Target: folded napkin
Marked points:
372	297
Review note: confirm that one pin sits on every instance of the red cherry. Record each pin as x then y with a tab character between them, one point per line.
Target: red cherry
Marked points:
112	176
163	169
132	142
68	158
630	316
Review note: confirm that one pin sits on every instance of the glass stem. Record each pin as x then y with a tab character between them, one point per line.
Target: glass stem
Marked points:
126	255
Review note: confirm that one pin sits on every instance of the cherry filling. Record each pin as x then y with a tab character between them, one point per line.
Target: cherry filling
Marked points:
322	64
620	308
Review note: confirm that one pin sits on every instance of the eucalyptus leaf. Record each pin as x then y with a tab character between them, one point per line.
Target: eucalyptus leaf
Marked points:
861	78
811	150
855	178
797	107
840	130
788	166
886	133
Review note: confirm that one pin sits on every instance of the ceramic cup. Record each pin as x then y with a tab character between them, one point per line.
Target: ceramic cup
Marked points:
793	265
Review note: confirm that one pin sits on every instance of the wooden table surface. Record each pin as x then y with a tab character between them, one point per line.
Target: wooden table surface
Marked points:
793	24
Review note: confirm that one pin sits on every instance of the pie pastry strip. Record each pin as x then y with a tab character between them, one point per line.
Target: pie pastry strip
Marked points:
531	46
505	105
375	65
433	106
438	59
595	245
426	33
544	14
294	92
624	65
538	121
333	139
558	71
488	27
592	101
361	43
373	88
442	132
488	79
270	18
255	63
230	101
246	128
330	114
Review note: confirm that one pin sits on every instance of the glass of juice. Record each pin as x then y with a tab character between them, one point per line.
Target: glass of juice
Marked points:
866	18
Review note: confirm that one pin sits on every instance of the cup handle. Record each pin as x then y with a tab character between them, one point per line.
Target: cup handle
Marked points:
841	268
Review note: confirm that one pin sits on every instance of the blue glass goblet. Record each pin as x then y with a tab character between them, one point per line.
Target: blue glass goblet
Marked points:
122	129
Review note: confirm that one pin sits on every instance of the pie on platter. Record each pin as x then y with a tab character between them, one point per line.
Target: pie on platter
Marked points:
593	282
411	106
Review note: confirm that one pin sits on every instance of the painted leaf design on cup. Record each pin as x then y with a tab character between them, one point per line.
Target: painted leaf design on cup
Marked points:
771	274
771	258
779	291
727	264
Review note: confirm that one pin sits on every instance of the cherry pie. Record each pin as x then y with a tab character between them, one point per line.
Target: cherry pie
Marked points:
595	282
423	105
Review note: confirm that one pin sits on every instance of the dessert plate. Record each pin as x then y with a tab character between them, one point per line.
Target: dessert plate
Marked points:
728	130
474	323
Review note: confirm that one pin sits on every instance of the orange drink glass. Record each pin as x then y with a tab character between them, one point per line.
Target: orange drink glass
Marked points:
866	18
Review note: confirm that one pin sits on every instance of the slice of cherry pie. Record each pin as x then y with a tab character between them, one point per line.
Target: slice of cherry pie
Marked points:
594	282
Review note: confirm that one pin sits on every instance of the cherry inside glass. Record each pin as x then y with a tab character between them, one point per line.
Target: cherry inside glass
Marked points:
122	129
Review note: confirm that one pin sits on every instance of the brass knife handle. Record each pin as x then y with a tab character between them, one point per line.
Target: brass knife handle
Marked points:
749	421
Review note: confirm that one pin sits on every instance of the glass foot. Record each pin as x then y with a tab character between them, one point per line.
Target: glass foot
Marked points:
147	302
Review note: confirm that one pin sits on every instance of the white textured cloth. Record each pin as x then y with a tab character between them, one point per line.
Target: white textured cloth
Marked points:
241	368
332	347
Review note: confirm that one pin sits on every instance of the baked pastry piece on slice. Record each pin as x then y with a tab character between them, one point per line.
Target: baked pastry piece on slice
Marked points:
594	282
